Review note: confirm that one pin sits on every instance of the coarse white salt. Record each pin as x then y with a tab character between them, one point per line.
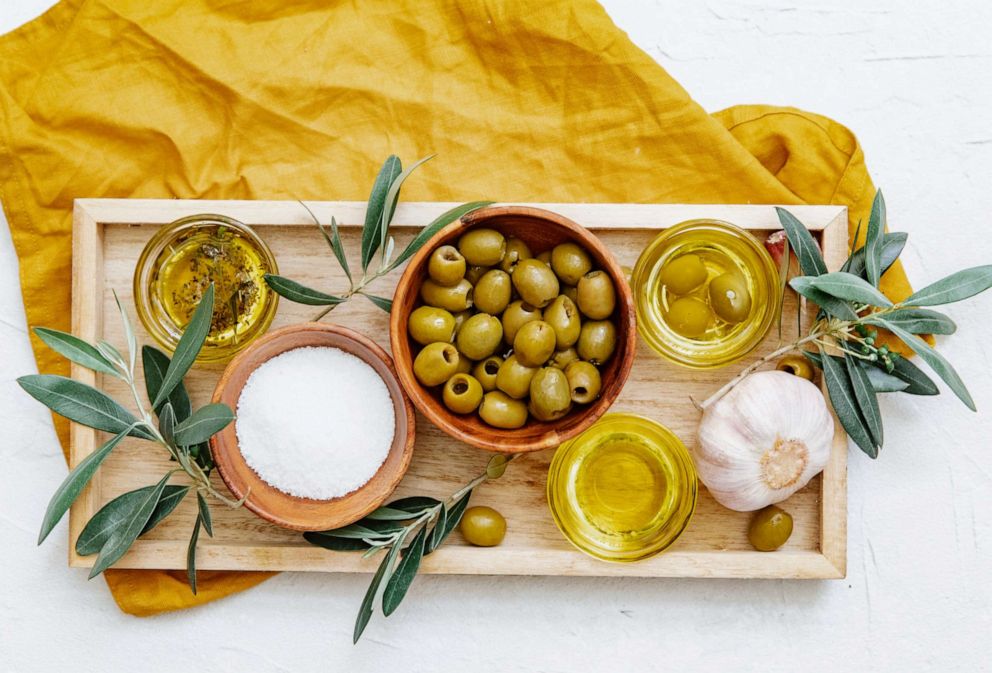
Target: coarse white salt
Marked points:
315	422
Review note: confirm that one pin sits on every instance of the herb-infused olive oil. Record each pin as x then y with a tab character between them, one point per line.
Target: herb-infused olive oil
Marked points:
706	293
183	260
623	490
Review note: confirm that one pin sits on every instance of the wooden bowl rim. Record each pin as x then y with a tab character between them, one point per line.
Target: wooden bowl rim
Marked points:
225	451
553	437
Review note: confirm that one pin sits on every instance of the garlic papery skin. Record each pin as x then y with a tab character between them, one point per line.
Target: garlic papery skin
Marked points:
763	440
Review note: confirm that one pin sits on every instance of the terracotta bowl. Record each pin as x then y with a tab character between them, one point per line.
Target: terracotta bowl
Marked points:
541	230
290	511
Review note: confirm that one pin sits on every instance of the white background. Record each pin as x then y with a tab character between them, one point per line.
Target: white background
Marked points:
913	81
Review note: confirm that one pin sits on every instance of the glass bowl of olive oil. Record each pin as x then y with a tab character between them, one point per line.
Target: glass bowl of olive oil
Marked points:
623	490
706	293
180	262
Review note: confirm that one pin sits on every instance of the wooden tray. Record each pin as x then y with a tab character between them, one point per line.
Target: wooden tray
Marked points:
109	234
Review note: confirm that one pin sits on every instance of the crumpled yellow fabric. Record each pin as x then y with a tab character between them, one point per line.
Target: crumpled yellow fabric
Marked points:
523	100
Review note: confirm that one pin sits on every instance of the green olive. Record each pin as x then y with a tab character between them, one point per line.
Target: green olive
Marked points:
770	528
797	365
596	295
436	363
563	316
550	398
492	292
513	377
474	273
479	336
482	247
597	340
684	274
534	343
729	297
516	250
564	357
458	297
584	382
428	324
536	282
462	394
485	372
516	316
482	526
502	411
571	292
446	266
544	257
689	317
570	262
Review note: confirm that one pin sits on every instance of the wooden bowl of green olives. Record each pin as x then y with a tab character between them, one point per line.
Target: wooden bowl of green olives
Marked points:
513	329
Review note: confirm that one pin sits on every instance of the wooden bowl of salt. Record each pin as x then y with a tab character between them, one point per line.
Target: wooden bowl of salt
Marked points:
324	432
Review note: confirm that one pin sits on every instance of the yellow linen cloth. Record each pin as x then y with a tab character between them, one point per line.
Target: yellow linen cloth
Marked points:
533	100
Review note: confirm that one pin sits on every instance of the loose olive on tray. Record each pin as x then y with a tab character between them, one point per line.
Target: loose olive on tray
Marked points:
510	334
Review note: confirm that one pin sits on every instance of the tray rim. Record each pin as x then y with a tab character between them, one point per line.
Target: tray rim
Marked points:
91	215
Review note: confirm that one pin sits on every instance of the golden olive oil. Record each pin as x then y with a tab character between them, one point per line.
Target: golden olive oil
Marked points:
623	490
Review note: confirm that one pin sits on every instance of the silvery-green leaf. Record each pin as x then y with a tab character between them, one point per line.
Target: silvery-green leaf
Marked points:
155	363
393	196
188	347
301	294
919	382
921	321
107	350
374	221
74	483
127	532
399	582
935	360
100	527
454	515
892	246
167	424
336	543
76	350
204	512
132	342
338	247
382	574
415	503
204	423
846	405
844	286
882	382
386	513
438	531
81	403
810	260
383	303
437	225
838	308
191	556
864	393
354	531
957	286
873	239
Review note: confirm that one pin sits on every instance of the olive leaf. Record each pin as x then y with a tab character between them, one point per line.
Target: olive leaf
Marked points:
154	364
438	530
846	406
359	531
837	308
892	246
921	321
375	223
74	483
919	382
873	239
205	422
864	393
301	294
336	543
452	518
387	513
204	512
188	347
783	279
132	523
393	196
844	286
333	240
810	260
132	342
383	303
167	424
109	517
400	581
883	382
415	503
383	573
191	556
81	403
957	286
76	350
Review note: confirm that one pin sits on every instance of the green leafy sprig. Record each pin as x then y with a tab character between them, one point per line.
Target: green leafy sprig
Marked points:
168	420
375	239
406	530
856	367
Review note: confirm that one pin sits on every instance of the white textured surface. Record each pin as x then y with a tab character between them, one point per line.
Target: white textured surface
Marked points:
913	81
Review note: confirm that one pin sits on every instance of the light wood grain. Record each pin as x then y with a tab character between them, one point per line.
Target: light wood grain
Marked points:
108	237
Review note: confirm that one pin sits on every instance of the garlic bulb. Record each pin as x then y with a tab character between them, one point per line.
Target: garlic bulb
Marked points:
764	440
